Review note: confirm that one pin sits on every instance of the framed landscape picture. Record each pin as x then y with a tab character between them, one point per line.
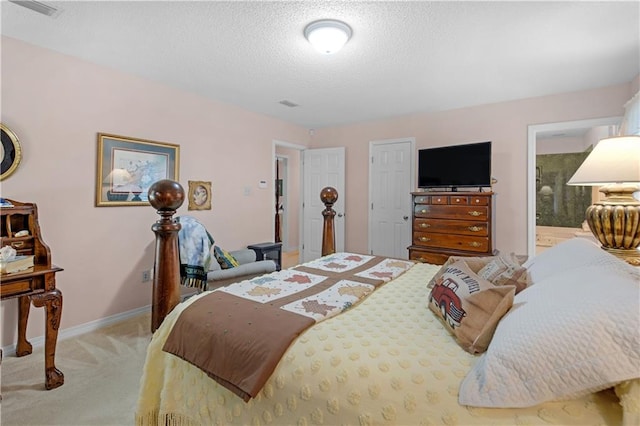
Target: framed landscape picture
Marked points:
127	167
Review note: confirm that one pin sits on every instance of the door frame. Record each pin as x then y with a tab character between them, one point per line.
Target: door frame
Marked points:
412	173
532	134
275	143
284	226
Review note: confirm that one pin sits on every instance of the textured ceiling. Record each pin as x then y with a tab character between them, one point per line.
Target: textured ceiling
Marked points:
403	58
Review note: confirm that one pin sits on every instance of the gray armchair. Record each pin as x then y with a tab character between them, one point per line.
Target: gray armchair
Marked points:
248	268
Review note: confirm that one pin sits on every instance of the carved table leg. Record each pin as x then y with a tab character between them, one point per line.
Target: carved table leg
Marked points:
23	347
52	301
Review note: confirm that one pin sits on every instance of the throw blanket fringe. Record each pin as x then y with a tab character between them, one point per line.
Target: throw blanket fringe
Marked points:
195	252
164	419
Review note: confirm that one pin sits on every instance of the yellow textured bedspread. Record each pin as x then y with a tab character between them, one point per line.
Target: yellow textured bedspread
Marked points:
386	361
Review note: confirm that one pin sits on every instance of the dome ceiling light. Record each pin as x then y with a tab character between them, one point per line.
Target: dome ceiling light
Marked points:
327	35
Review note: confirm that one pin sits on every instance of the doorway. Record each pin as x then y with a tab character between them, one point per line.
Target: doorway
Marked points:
287	198
546	185
391	181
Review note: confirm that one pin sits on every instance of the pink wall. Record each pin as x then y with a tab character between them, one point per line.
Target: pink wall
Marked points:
503	123
56	105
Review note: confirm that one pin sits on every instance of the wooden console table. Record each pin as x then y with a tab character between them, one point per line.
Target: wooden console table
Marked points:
36	284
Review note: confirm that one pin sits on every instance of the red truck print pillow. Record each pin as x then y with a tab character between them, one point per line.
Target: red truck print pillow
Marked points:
469	306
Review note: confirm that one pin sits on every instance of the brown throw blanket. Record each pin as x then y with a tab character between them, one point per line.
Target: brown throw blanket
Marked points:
238	334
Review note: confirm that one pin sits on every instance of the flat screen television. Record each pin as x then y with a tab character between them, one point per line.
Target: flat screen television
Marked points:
455	166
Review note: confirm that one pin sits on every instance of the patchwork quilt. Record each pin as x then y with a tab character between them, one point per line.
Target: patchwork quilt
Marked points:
238	334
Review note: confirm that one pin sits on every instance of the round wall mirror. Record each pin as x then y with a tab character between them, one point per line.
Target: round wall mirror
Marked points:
11	152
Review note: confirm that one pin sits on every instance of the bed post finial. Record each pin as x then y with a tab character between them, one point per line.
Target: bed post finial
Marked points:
328	196
166	196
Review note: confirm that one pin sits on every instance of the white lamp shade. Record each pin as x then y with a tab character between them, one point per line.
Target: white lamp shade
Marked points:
613	160
327	36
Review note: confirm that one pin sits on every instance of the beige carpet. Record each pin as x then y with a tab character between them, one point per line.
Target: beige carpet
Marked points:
102	371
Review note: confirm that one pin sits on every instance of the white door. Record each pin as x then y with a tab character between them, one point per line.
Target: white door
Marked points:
322	168
391	180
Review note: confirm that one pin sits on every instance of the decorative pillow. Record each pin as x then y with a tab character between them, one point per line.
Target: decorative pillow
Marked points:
224	258
566	336
475	263
505	271
512	274
469	305
564	257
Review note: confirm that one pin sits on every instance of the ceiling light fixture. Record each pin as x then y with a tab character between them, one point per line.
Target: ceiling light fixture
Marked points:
327	35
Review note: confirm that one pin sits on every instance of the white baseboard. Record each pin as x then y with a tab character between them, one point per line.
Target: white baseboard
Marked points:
87	327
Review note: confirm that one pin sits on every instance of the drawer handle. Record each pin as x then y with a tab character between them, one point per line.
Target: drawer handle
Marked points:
474	244
425	225
17	244
424	239
423	211
475	213
475	228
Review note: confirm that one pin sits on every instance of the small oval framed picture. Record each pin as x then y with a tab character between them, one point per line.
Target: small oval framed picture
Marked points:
199	195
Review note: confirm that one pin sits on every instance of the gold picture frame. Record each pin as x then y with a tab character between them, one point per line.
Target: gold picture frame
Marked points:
199	195
127	167
11	152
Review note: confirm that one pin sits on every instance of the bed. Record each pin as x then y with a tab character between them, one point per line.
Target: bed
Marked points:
389	359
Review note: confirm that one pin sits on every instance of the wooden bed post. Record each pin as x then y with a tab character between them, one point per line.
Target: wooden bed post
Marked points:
166	196
328	196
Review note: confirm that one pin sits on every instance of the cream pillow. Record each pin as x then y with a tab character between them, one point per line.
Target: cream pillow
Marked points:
505	271
511	272
564	257
469	305
566	336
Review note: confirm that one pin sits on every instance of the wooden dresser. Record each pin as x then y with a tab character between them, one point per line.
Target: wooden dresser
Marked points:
35	285
451	223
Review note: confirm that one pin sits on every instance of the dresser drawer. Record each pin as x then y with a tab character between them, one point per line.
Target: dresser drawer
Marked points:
15	288
479	201
458	200
448	241
427	257
439	199
480	213
422	199
446	226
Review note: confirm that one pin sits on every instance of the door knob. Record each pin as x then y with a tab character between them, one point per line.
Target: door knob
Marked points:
340	215
405	217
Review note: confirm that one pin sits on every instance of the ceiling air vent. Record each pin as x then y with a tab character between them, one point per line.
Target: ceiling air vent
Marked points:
39	7
288	103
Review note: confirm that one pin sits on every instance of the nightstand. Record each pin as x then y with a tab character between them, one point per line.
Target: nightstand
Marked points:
271	251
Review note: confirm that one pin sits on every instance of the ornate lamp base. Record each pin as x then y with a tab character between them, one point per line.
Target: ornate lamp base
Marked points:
615	222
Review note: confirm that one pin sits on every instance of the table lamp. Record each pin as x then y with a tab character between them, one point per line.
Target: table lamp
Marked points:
614	164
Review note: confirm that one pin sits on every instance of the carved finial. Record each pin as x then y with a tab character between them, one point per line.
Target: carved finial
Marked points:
166	196
328	196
